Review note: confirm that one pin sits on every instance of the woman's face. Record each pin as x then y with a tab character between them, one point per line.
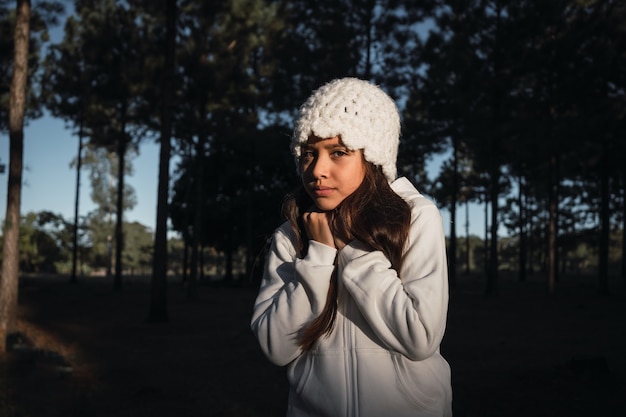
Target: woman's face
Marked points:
330	171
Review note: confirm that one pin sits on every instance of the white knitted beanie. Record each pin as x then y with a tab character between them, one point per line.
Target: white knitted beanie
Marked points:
361	113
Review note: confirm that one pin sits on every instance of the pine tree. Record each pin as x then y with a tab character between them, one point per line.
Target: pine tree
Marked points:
11	230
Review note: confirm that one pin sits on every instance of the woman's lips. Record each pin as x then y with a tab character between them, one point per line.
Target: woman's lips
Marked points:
322	191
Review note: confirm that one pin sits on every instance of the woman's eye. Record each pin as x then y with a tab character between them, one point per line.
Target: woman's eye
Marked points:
339	153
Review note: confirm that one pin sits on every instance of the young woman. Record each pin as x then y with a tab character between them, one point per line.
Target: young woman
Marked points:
354	295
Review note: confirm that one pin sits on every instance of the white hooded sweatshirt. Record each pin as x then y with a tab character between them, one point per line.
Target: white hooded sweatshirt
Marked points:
382	358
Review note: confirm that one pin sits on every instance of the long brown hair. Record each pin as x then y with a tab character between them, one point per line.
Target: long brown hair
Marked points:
373	214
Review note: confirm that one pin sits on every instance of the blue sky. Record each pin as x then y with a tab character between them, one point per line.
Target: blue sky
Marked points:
49	183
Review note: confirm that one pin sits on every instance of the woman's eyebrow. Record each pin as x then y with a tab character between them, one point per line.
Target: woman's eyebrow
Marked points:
335	146
329	146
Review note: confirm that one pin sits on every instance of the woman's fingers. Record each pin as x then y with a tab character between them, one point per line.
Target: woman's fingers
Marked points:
317	227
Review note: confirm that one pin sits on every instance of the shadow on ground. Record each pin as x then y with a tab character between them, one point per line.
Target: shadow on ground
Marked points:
521	353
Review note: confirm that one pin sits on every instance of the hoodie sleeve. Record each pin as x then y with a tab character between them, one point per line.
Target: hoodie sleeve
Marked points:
407	312
293	292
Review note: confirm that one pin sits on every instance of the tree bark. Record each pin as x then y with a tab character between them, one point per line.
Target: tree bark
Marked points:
603	252
468	257
74	278
119	222
552	227
624	226
492	275
486	242
453	241
17	104
522	229
198	221
158	295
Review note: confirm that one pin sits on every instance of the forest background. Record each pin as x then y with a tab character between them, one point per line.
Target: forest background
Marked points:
525	98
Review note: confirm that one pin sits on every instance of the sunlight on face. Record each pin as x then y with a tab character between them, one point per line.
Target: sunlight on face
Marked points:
330	171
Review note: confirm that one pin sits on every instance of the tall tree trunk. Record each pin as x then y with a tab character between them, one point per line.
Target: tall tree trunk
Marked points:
467	239
530	250
453	202
228	273
492	276
557	221
249	226
198	220
109	265
74	278
11	236
522	229
624	225
552	227
486	242
603	253
495	148
158	295
185	257
187	213
119	221
201	257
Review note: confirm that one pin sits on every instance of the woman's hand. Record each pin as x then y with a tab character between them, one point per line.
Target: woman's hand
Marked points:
317	227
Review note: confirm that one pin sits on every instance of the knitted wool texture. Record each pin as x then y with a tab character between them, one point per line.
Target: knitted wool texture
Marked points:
362	114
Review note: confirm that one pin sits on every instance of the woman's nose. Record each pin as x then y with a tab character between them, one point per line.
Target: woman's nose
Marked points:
320	167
